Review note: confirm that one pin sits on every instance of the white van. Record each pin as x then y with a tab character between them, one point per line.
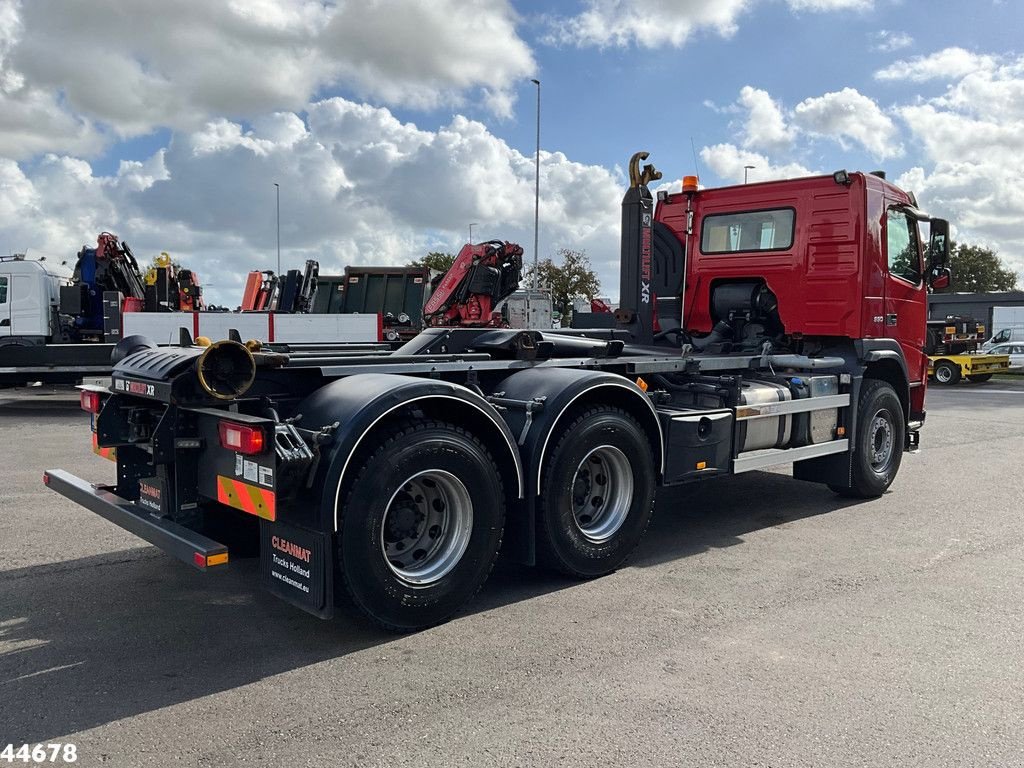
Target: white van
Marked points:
1007	325
1004	336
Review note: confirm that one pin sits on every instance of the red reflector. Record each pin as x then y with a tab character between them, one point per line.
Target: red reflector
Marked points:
241	437
199	559
46	478
90	401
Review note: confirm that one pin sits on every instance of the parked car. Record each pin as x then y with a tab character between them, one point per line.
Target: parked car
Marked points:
1015	351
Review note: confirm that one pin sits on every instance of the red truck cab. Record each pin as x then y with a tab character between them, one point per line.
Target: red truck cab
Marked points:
842	254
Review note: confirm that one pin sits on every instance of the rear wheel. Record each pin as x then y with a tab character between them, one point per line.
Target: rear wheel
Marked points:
597	495
878	447
977	378
946	372
421	526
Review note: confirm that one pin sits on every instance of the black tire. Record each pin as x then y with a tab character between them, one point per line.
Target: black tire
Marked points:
978	378
947	373
385	507
878	448
571	540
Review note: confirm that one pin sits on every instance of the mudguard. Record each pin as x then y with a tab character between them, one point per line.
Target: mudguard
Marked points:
359	402
549	393
873	350
557	389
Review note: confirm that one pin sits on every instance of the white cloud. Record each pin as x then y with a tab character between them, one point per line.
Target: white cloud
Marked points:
656	23
889	41
728	162
149	63
971	137
769	130
848	114
765	127
949	63
649	25
830	5
357	187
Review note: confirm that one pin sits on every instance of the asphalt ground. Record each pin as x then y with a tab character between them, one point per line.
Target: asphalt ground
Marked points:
763	622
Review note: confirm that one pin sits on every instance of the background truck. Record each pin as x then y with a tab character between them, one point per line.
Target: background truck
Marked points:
60	324
759	325
397	294
952	348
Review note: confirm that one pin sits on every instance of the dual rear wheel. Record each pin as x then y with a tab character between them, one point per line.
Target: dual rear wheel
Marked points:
597	494
421	525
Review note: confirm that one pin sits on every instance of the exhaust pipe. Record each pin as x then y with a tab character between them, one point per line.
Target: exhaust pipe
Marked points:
226	369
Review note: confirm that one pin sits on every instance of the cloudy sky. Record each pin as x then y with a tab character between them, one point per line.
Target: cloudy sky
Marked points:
391	125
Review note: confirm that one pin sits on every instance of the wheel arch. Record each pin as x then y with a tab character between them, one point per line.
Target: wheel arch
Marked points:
888	370
365	404
883	359
565	392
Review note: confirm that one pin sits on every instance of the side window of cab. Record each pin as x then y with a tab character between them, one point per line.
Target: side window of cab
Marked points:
3	289
902	247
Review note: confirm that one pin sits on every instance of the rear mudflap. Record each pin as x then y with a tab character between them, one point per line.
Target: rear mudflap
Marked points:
297	565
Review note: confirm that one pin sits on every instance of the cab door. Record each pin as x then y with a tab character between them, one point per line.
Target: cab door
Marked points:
5	305
906	301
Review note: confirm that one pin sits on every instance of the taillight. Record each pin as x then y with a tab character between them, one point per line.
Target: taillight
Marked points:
241	437
90	401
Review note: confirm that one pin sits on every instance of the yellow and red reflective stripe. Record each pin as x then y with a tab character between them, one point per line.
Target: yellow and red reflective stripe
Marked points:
248	498
106	453
208	561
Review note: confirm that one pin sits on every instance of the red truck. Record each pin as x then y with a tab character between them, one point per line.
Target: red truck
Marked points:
768	324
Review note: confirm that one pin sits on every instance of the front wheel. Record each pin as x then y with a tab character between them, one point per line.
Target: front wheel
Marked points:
597	495
946	372
421	526
878	442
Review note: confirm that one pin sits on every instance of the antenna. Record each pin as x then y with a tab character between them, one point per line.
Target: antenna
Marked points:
696	165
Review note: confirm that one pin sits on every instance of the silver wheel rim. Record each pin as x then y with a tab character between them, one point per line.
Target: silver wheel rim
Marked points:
426	527
601	493
883	437
943	374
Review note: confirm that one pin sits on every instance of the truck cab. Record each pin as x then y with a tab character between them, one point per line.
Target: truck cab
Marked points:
839	258
29	295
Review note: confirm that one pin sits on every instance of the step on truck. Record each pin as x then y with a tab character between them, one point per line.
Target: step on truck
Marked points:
759	325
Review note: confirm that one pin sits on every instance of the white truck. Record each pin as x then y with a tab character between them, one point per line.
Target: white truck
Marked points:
39	338
1007	325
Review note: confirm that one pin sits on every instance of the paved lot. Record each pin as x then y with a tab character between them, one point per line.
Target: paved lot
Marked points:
763	622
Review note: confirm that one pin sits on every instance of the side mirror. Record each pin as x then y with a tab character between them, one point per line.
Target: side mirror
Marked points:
938	246
940	279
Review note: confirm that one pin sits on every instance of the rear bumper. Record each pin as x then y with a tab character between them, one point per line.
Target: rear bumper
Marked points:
177	540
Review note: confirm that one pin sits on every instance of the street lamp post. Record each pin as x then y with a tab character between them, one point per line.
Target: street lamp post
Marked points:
277	188
536	194
471	232
745	169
